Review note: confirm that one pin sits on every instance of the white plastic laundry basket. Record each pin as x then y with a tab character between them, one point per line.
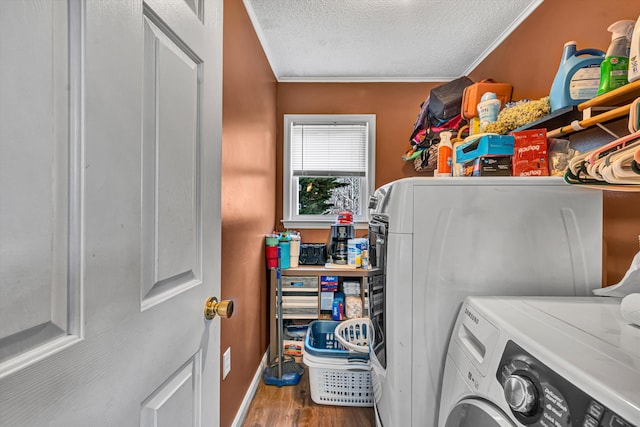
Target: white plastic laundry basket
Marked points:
344	384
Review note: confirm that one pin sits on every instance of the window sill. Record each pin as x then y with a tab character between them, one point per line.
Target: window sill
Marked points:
319	224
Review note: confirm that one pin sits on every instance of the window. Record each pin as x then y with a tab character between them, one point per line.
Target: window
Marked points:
328	167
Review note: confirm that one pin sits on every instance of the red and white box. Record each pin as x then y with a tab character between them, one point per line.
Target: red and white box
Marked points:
530	156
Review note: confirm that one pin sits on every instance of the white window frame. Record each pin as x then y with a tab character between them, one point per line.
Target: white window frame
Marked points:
289	194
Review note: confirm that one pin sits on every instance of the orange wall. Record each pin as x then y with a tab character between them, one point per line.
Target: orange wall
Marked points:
530	56
254	104
528	59
396	106
248	201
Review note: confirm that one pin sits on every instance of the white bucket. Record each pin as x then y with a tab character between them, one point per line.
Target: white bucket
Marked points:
354	250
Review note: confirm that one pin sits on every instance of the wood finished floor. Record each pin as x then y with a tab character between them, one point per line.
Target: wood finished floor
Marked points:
291	406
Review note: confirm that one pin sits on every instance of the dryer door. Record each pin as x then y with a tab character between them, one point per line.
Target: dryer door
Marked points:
477	413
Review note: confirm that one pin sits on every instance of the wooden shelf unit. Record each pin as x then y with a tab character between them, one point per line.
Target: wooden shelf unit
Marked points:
308	275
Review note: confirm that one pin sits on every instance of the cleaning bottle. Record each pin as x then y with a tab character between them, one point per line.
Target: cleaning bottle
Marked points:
614	68
577	78
634	54
445	151
488	109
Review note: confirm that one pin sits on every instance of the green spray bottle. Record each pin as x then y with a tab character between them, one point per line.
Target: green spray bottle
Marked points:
614	68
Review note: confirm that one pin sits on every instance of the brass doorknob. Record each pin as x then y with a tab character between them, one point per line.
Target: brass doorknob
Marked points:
213	307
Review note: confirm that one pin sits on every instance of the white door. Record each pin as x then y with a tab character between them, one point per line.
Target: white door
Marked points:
110	137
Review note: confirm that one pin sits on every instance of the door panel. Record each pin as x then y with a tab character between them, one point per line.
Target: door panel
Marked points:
109	212
176	402
34	183
171	174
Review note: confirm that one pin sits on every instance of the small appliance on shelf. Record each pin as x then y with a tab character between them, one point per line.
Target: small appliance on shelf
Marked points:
339	236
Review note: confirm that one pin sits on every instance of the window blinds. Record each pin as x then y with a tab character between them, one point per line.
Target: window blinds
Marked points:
330	149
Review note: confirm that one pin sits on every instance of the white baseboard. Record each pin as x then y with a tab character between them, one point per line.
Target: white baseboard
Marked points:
251	392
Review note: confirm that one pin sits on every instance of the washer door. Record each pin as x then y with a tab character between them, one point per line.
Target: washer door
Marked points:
477	413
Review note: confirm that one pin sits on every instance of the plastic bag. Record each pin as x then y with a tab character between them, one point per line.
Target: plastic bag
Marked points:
560	153
353	307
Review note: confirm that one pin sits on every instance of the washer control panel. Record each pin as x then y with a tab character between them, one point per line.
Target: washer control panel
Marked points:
538	396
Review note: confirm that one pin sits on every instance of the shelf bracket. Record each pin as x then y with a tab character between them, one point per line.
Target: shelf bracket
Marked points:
607	130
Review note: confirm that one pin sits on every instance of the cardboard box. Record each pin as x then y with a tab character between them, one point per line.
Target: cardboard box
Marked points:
494	145
326	300
329	283
530	157
488	166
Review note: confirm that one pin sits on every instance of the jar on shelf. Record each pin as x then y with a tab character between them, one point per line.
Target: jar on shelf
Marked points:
352	301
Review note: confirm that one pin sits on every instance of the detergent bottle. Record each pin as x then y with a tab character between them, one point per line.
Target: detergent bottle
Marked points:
634	54
488	109
445	153
614	68
577	78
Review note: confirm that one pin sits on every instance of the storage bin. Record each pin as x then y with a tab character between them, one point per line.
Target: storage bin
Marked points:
299	307
299	284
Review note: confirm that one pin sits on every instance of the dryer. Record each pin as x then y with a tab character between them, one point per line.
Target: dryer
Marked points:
548	362
437	241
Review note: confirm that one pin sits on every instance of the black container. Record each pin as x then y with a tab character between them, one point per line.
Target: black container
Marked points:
313	254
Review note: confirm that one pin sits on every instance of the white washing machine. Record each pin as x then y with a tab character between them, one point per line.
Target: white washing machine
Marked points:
549	362
440	240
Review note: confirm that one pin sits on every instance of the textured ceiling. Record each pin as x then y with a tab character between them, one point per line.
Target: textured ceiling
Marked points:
381	40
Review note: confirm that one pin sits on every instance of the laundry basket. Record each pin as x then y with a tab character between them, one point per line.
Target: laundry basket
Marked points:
337	376
355	334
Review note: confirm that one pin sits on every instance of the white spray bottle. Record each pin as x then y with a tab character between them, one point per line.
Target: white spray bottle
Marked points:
634	54
614	68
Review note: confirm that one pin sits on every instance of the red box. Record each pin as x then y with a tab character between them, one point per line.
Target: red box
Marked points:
530	156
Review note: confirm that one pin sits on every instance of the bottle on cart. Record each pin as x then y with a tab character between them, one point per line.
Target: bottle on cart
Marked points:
445	153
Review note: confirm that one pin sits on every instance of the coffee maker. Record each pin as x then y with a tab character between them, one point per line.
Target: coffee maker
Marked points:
339	237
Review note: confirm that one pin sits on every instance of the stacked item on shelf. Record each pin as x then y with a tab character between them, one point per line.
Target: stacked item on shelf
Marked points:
521	153
282	249
484	155
338	375
328	289
530	157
